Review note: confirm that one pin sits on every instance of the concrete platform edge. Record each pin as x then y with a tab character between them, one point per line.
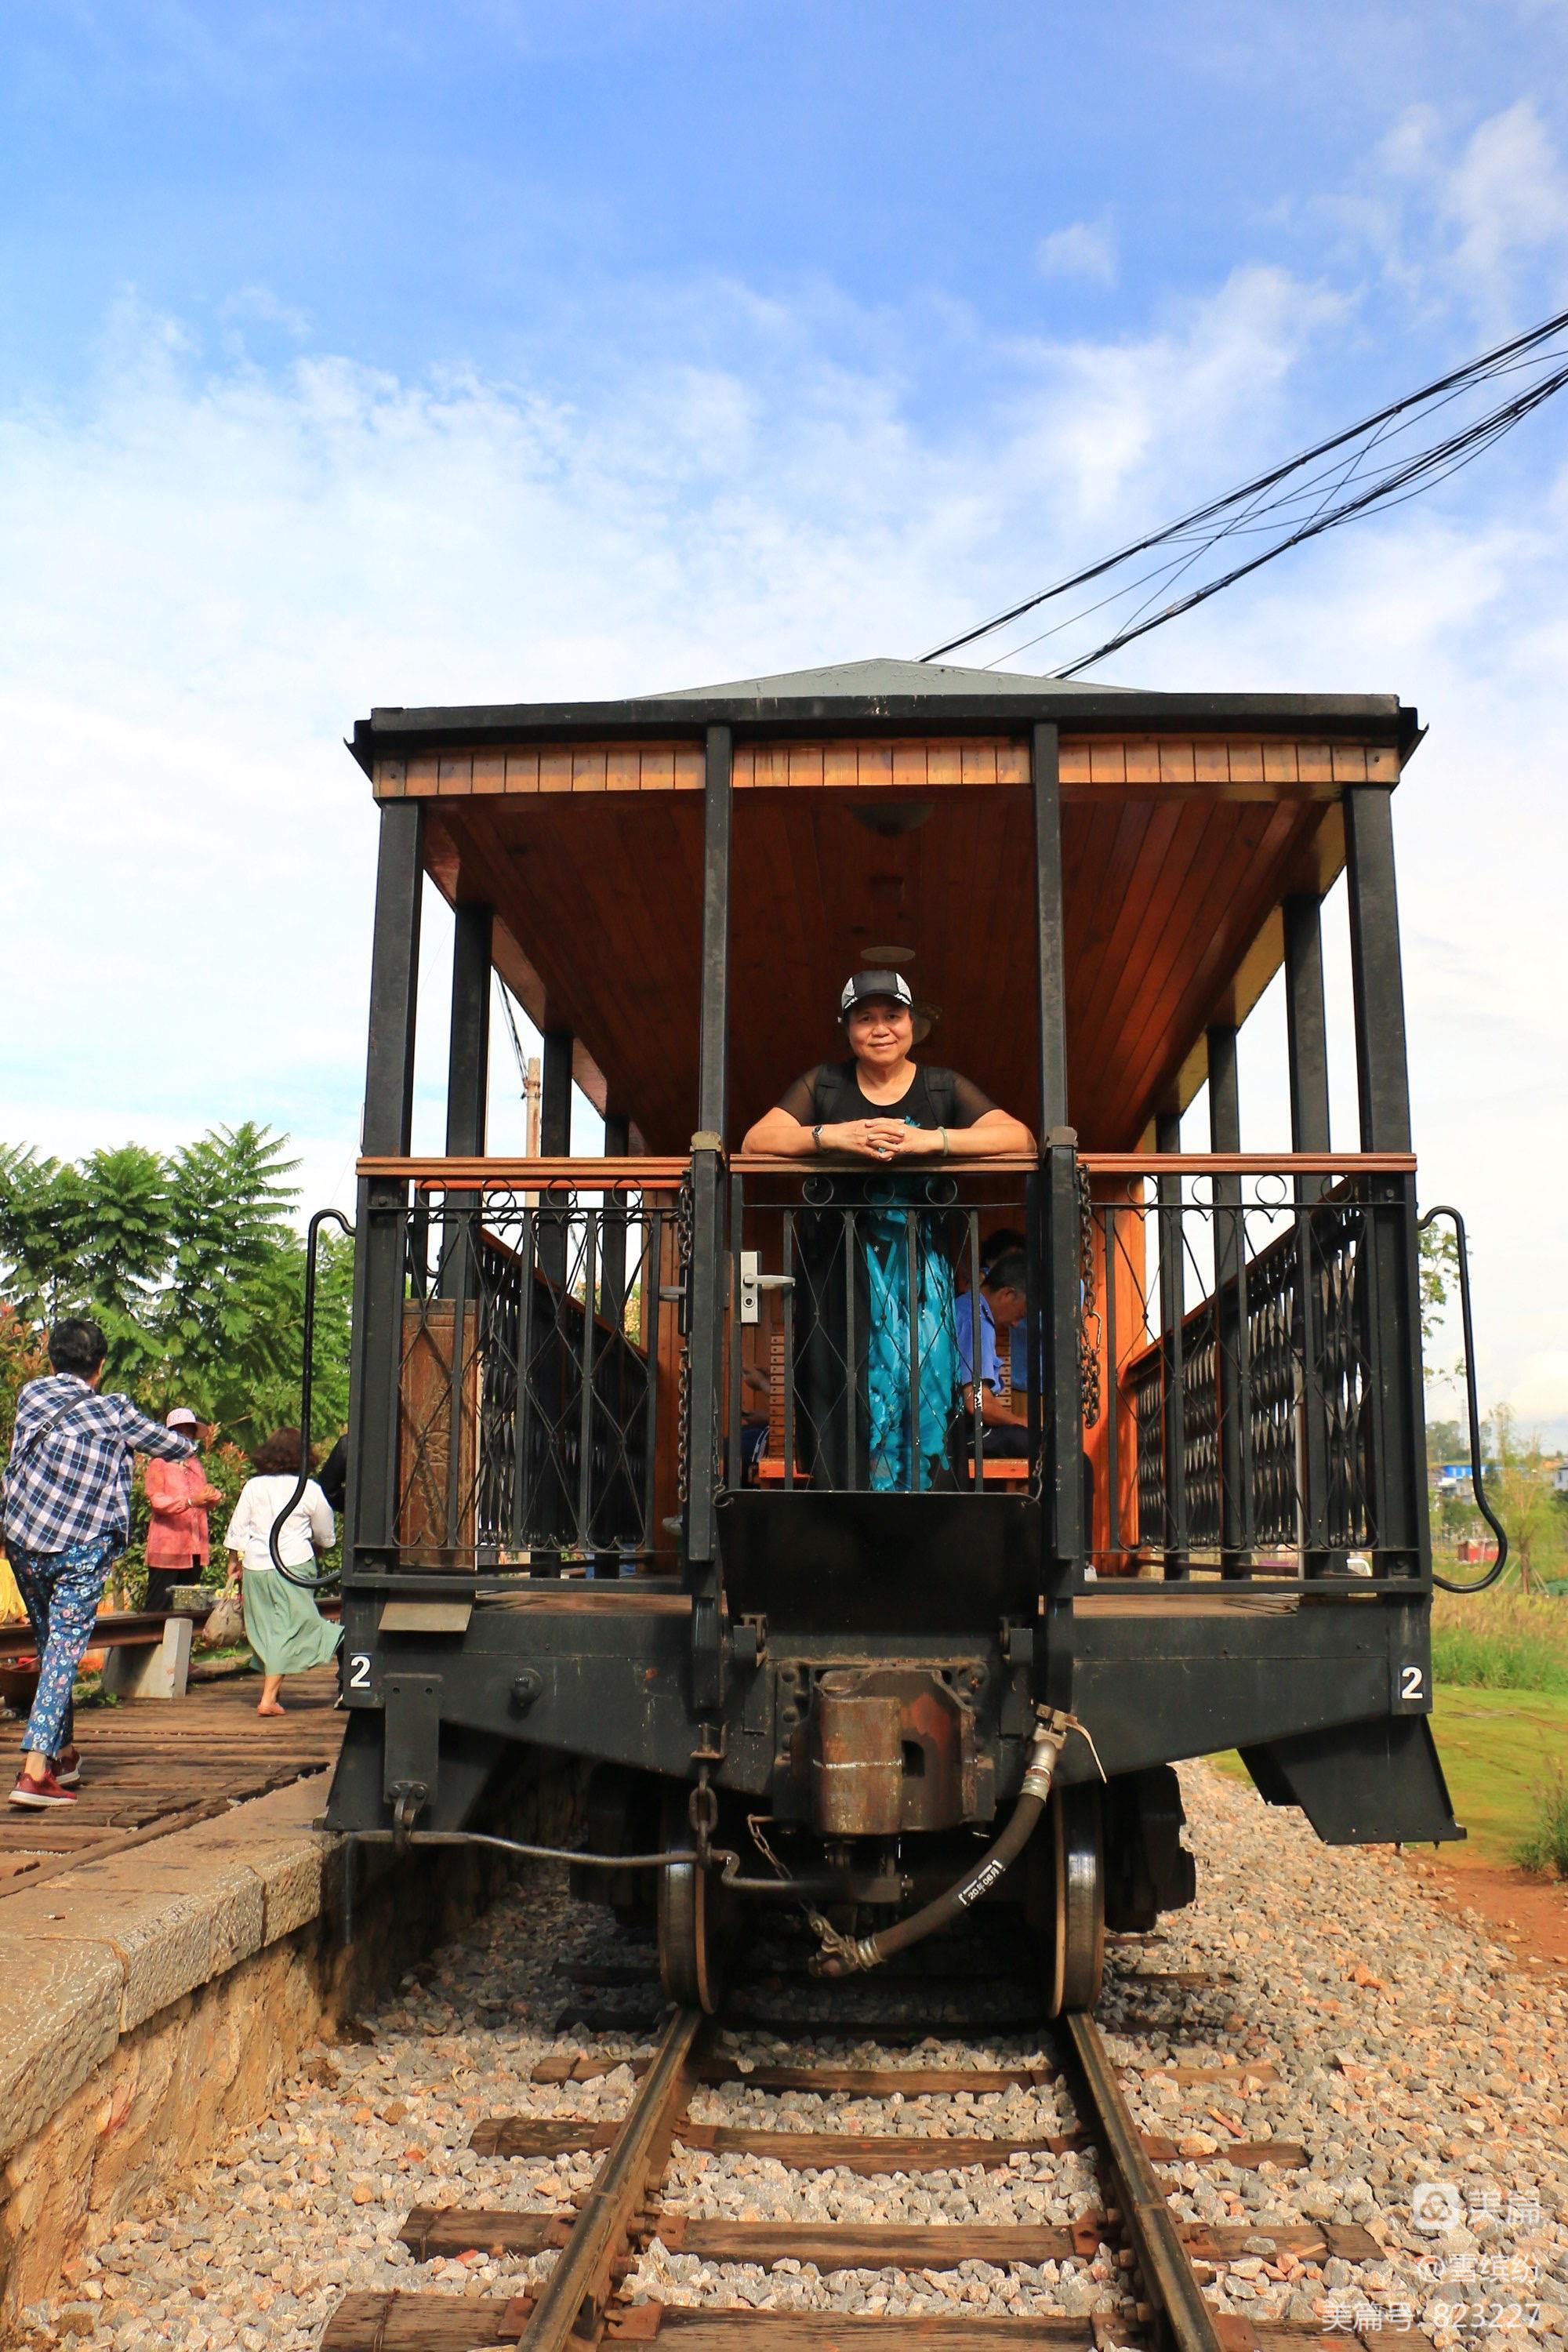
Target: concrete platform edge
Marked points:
159	2000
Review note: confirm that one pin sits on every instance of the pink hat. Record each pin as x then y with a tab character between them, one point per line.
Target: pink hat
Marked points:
181	1418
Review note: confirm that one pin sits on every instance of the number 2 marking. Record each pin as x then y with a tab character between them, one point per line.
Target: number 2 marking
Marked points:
1412	1683
359	1670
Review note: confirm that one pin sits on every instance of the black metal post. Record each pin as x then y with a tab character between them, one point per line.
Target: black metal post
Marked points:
554	1238
1231	1367
788	1268
554	1143
469	1048
1392	1323
652	1276
467	1078
708	1287
1307	1030
1173	1293
1306	1025
612	1235
1058	1303
1062	1409
584	1514
1049	927
615	1390
1383	1082
375	1370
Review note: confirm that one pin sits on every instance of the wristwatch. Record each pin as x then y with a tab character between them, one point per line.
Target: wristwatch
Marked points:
817	1136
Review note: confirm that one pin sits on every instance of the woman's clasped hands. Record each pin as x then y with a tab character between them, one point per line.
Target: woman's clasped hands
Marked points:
882	1139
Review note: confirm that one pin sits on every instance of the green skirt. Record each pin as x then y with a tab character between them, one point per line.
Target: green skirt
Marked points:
284	1626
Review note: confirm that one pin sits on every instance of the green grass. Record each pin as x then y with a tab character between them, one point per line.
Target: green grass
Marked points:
1499	1642
1501	1750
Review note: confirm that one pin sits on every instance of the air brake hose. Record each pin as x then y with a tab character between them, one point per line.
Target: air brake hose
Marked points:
844	1955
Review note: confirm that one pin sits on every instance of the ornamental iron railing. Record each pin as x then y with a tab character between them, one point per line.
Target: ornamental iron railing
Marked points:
529	1400
1269	1424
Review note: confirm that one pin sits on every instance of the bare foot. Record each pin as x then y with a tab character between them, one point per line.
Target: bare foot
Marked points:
268	1706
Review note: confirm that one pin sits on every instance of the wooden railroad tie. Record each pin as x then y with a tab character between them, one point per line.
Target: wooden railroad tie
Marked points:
429	2322
431	2230
862	2152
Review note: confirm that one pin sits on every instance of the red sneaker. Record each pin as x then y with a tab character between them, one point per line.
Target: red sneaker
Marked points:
38	1795
67	1768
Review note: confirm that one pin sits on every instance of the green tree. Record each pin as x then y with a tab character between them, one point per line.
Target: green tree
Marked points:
33	1242
1446	1441
235	1273
193	1268
1520	1491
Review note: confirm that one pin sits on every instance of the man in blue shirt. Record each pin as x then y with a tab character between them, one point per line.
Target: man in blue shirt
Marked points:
1003	1305
67	1515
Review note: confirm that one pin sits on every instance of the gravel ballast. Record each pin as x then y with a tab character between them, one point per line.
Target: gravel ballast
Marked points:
1399	2046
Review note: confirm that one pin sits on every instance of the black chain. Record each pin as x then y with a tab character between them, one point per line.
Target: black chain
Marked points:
1090	1332
683	1228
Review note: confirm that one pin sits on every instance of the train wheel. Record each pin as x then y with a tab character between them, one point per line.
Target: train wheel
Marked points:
696	1920
1074	1836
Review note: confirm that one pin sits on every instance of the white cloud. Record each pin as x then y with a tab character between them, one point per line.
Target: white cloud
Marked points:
1082	249
1508	195
259	302
1478	217
207	572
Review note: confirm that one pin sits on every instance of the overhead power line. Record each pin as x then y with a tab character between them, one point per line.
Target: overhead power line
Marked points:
1376	463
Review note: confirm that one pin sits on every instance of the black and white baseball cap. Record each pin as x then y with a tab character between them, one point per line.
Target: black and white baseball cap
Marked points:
866	985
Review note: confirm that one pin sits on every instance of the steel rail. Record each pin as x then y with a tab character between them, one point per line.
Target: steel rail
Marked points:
1185	2319
573	2301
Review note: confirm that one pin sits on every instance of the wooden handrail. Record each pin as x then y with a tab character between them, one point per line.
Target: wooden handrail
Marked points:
468	1175
668	1172
1248	1163
843	1164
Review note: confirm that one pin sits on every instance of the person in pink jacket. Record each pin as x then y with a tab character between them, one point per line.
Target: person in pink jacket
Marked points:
178	1494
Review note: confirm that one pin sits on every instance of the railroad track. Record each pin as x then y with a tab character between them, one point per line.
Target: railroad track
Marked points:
582	2303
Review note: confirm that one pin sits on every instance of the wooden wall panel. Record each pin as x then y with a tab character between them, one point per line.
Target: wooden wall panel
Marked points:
1208	764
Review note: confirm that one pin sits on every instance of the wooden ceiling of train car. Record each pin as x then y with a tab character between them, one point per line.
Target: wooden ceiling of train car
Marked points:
1178	848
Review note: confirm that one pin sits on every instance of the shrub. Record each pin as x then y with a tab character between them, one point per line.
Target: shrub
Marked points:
1545	1845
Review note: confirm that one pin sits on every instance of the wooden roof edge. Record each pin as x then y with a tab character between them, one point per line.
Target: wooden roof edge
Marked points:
393	729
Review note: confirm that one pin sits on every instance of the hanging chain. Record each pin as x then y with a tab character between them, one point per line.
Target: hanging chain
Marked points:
683	1228
1090	1334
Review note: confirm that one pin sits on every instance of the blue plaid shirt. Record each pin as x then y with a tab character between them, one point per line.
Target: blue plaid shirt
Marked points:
71	1483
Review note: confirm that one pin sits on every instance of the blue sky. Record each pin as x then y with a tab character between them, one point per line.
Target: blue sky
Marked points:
359	354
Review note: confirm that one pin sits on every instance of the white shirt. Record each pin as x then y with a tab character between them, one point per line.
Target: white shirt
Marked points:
308	1529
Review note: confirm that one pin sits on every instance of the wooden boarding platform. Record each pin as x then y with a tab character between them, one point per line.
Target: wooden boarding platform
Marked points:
152	1767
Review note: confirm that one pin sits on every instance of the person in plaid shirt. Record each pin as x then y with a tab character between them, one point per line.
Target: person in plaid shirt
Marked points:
67	1515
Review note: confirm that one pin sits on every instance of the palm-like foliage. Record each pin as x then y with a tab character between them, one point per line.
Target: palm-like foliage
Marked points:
193	1266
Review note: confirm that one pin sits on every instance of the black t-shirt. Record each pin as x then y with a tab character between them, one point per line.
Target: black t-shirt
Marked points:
831	1093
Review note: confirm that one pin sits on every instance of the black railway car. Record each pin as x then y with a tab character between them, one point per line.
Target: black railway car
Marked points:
605	1500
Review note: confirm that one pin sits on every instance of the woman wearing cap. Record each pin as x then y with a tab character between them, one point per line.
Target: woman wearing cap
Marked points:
883	1107
178	1494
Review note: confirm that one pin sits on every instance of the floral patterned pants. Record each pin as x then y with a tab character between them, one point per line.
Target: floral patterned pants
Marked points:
61	1590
